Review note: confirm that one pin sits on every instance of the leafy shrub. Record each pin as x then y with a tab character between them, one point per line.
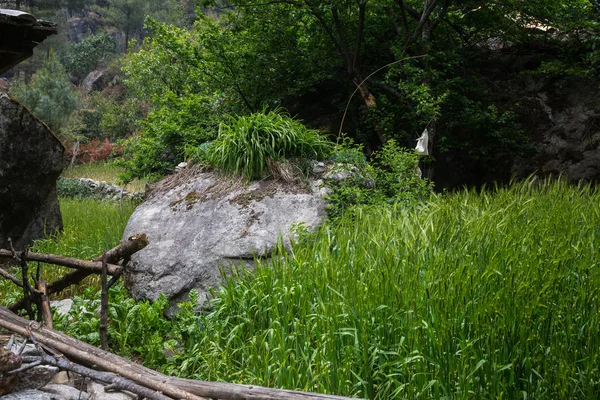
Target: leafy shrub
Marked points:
87	55
391	177
247	144
180	123
134	327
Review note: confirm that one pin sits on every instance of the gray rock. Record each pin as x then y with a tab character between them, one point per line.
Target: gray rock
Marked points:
95	80
100	190
28	395
319	167
205	223
31	159
96	392
62	306
64	392
340	172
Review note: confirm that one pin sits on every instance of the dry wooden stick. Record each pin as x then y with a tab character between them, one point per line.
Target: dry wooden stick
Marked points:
104	305
69	262
11	278
27	292
115	382
77	350
45	304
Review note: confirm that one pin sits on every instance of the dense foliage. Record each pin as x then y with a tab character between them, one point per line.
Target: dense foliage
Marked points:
392	177
395	67
49	94
473	295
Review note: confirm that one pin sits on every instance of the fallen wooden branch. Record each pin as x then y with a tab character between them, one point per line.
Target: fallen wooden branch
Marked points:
11	278
115	382
121	252
69	262
86	354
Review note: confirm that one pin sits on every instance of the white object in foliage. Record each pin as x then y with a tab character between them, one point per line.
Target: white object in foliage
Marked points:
422	143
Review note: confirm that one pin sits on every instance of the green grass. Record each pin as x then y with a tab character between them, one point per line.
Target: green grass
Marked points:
491	295
246	145
104	171
90	226
473	296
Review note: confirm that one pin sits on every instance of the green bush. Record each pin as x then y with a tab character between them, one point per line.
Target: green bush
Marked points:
87	55
246	145
178	124
391	177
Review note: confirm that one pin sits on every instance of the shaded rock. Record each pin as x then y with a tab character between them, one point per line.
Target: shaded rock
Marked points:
564	123
31	159
64	392
196	226
36	377
96	80
28	395
96	392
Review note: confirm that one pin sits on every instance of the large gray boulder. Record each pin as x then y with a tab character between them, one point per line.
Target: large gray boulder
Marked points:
31	159
196	227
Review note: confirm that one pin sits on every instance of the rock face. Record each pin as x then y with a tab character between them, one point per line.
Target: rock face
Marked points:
31	159
564	124
198	226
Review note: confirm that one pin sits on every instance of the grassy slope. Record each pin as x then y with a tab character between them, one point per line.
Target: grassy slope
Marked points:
103	171
90	226
474	296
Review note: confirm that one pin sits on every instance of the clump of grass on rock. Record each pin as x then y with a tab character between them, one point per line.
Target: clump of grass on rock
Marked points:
247	145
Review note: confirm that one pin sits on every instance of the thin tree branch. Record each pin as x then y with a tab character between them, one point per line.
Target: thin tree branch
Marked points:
413	13
362	5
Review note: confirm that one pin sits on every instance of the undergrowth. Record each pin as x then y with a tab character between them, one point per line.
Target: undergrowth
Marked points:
472	295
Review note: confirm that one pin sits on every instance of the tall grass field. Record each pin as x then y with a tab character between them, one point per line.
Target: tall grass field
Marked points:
491	295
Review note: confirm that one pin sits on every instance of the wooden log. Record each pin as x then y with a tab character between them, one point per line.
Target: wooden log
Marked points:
69	262
115	382
126	248
89	355
11	278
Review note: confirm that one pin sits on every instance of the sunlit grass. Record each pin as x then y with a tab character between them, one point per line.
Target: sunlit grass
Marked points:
90	226
474	296
103	171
